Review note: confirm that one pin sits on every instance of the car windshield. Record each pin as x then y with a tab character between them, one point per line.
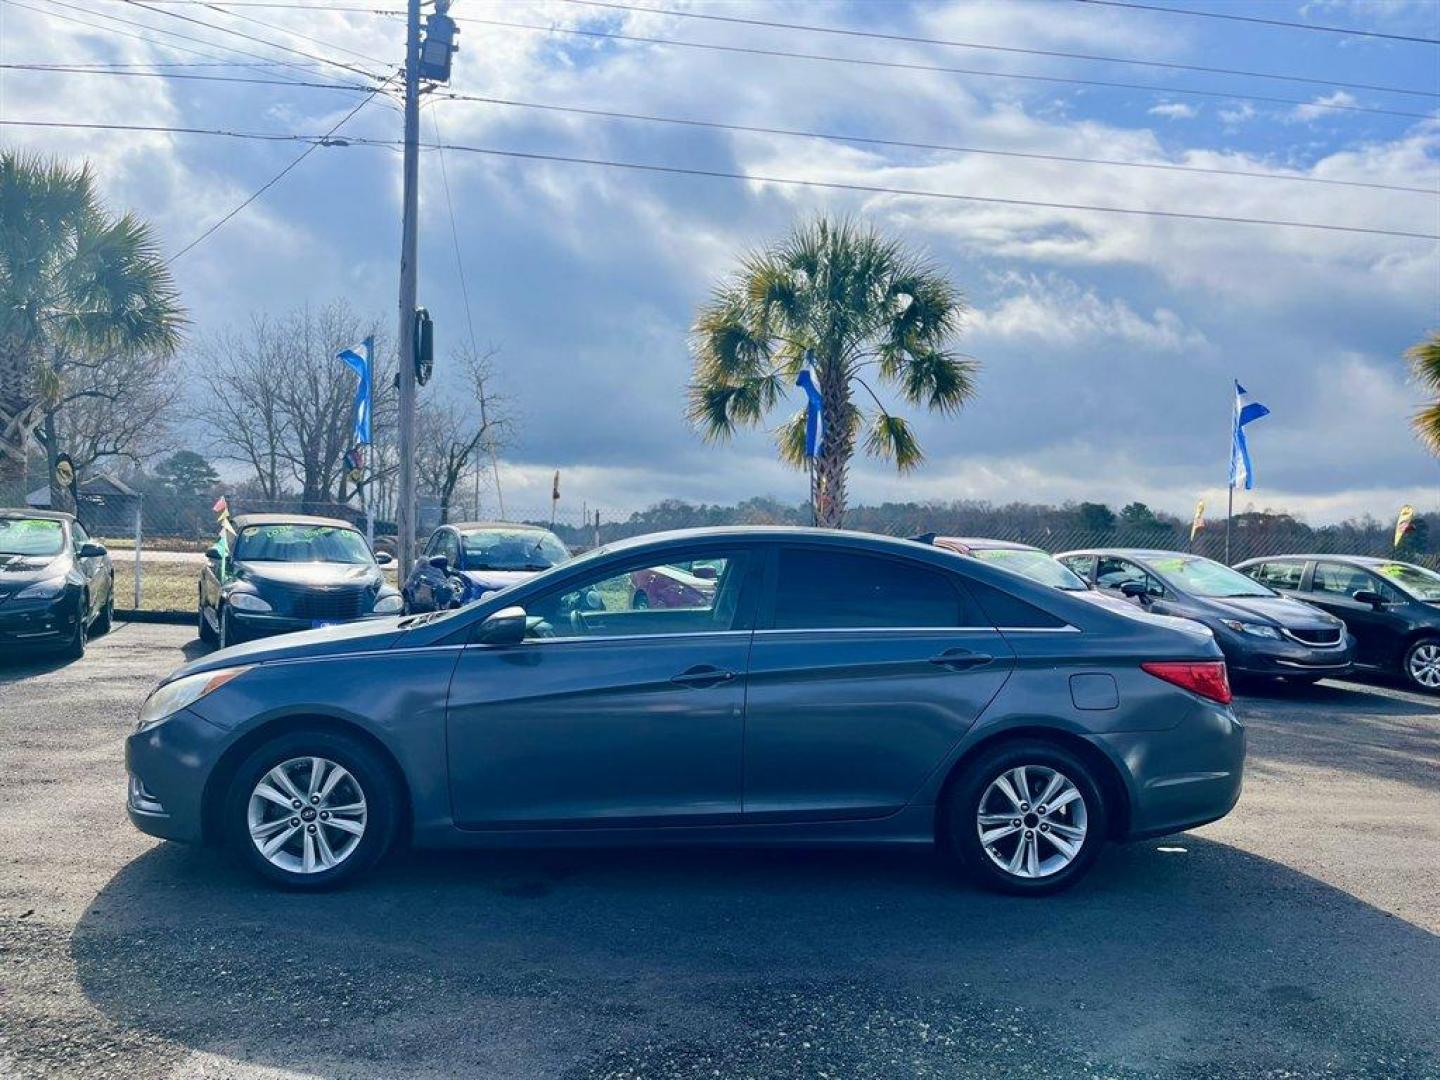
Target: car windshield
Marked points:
513	549
1033	564
302	543
1205	577
1416	580
31	536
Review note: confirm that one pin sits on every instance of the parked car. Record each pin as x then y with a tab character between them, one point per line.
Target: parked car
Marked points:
1262	633
839	688
1391	608
57	586
288	572
683	586
461	563
1034	563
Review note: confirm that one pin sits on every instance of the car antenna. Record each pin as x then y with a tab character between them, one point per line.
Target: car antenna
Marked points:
924	538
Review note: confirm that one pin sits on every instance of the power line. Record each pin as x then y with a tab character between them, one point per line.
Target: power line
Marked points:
280	175
71	70
354	8
833	185
947	148
293	33
1267	22
304	69
917	40
942	69
251	37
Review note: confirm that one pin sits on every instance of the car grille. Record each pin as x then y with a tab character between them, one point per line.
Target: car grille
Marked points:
334	603
1324	636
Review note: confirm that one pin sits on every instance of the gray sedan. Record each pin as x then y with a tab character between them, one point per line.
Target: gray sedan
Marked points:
833	688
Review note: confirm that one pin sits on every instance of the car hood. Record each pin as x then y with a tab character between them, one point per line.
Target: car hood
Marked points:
17	571
303	574
491	580
1275	610
1135	611
365	635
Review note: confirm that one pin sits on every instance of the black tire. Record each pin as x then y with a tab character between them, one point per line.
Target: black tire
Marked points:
202	625
227	635
1303	680
640	601
378	788
1408	665
106	619
75	647
960	815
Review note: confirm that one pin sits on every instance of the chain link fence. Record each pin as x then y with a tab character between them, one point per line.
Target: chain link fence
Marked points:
158	540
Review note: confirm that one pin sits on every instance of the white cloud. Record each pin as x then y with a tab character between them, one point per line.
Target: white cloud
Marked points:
1323	106
1060	313
1174	110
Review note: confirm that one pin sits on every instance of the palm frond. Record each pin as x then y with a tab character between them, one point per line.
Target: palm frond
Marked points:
790	441
1424	358
890	438
938	380
718	409
726	343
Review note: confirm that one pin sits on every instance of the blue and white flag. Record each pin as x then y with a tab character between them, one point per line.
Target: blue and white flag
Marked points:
358	357
1246	410
814	409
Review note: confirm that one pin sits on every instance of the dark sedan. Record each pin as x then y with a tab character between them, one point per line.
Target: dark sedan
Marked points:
1391	608
57	586
1262	633
465	561
837	689
287	573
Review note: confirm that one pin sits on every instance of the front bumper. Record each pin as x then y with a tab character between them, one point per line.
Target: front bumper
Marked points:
1246	654
38	623
1184	776
167	767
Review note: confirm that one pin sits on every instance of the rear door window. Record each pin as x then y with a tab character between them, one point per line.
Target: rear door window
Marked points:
818	589
1278	575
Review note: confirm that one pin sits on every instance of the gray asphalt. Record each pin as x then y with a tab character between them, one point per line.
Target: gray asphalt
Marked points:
1297	938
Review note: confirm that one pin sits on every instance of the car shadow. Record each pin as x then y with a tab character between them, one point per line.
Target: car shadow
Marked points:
25	665
1375	730
1182	957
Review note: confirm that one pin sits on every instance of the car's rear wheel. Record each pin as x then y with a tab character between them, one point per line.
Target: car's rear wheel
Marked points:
1422	665
311	810
1026	817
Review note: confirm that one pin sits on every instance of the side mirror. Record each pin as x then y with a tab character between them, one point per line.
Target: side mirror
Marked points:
212	553
383	558
1134	589
705	573
92	550
505	627
1368	596
439	562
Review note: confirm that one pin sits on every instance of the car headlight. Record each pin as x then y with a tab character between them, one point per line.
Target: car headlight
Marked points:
390	605
1254	629
169	699
244	601
43	590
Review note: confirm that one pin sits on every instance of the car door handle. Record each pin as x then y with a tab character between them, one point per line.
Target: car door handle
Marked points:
961	659
703	675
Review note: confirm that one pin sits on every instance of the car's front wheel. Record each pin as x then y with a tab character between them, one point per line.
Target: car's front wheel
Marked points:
75	647
1026	817
1422	665
106	619
311	810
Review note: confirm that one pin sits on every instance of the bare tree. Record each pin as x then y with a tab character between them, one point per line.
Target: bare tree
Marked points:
458	426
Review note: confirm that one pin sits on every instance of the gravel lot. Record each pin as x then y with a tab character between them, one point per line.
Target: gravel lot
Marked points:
1297	938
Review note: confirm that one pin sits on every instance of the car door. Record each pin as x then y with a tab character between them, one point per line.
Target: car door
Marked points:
92	569
607	714
1378	631
1113	572
865	671
423	576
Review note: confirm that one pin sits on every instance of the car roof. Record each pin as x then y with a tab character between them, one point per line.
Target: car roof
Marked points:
37	515
981	543
1359	560
1132	553
781	533
245	521
475	526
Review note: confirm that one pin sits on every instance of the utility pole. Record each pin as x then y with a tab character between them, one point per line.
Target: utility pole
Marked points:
405	511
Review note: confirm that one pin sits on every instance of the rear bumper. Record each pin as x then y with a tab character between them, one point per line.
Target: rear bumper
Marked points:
1184	777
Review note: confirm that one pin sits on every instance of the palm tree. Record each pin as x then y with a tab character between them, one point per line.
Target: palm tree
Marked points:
1424	360
867	311
77	286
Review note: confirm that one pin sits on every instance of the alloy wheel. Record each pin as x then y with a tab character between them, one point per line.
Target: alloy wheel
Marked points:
307	815
1032	821
1423	665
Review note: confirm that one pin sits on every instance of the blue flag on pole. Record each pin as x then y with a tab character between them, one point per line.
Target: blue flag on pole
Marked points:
359	359
1246	410
814	409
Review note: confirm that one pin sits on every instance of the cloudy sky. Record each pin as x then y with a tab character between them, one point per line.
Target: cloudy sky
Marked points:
1108	341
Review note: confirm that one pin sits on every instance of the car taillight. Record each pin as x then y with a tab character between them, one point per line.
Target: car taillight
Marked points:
1207	678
